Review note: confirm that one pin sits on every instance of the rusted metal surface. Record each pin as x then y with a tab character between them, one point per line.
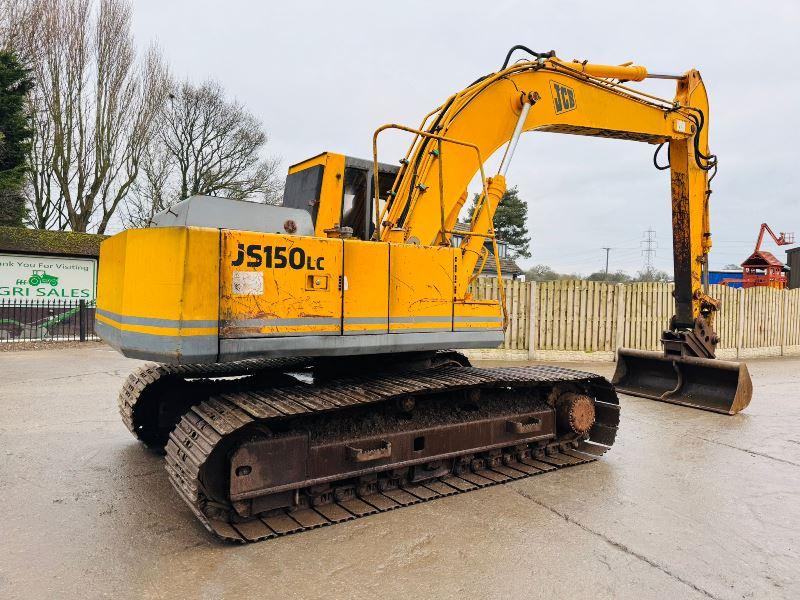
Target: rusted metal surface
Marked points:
154	396
362	455
200	470
268	463
530	425
276	463
710	384
575	412
701	341
682	245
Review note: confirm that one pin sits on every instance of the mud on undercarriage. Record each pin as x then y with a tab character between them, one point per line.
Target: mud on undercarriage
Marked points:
259	451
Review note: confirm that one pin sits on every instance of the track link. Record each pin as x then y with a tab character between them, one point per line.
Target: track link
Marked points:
182	386
203	433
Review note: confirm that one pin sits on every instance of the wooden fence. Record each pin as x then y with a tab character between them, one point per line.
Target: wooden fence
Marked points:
594	318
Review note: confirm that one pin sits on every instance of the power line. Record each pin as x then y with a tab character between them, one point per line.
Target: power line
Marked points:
593	251
649	246
608	251
623	257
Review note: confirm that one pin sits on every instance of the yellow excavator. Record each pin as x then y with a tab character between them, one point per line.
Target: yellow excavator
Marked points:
304	366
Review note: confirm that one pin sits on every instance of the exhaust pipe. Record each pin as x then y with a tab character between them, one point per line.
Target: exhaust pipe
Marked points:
709	384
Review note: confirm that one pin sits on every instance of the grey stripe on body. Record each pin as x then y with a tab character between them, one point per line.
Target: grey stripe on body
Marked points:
152	322
156	322
281	322
174	349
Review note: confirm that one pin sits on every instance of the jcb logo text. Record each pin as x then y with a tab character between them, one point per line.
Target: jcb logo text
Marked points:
563	97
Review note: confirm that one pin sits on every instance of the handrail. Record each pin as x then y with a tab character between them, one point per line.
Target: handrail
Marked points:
442	230
404	161
426	134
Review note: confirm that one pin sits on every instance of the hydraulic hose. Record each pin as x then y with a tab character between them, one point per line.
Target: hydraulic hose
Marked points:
550	54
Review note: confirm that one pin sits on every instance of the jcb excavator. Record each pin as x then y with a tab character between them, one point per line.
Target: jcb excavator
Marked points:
305	374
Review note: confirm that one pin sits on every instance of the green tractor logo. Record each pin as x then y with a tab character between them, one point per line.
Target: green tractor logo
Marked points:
40	276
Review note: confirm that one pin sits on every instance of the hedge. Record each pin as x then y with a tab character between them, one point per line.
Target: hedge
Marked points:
40	241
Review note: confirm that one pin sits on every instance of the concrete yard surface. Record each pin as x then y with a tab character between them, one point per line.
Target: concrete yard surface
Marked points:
687	504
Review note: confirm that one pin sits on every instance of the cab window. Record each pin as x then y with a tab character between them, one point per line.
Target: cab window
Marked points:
303	189
355	203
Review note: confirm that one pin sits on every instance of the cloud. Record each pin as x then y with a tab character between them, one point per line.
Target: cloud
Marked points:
324	75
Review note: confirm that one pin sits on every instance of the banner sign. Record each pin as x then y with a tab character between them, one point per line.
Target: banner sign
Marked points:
47	278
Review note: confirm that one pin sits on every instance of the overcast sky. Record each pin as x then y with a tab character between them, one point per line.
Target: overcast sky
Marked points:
325	75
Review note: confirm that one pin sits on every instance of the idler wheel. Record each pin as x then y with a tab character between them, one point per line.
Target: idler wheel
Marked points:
575	412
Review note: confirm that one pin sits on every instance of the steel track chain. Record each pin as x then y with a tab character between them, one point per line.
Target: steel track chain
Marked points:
208	424
149	375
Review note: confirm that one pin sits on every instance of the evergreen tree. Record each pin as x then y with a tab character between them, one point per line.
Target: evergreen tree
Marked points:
15	133
510	223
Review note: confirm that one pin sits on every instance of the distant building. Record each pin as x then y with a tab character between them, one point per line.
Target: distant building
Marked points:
793	264
508	267
730	277
762	269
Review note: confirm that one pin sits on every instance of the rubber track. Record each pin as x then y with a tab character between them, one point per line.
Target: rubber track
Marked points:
150	373
202	428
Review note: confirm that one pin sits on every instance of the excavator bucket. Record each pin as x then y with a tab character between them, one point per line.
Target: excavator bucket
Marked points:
710	384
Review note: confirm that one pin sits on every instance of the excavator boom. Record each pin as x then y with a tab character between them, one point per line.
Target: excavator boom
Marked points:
580	98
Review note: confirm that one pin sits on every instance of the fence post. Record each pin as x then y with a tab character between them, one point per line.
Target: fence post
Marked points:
82	319
782	319
532	321
620	293
740	324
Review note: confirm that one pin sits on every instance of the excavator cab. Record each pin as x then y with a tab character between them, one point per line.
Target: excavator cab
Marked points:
337	191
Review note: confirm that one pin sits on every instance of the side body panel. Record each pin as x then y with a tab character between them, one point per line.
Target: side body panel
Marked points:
471	315
279	285
366	287
420	289
157	293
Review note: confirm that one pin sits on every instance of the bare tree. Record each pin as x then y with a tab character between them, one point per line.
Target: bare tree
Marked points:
16	19
205	145
22	28
94	106
44	196
151	192
105	135
216	145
